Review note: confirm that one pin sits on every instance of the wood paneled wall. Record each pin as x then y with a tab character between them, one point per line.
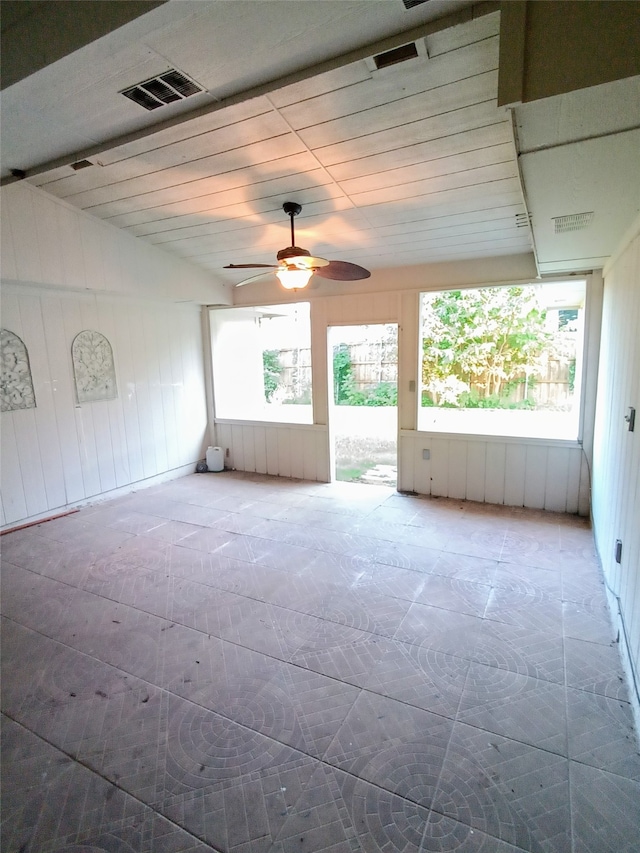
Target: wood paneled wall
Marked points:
513	472
62	453
616	462
285	450
47	241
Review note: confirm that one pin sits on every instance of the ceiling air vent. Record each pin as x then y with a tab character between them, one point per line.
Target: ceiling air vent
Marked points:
81	164
164	89
409	4
523	220
398	54
572	222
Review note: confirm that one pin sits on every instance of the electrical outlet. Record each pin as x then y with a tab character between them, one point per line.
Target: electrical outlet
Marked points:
630	418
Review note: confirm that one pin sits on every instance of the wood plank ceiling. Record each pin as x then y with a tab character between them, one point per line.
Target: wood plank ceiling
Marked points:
405	165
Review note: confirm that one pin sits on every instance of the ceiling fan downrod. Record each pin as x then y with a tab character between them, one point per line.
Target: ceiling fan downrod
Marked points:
292	208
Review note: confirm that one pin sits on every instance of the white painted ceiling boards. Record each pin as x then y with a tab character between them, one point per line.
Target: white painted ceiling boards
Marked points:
405	165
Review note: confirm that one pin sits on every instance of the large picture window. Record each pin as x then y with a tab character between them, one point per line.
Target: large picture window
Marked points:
262	363
503	360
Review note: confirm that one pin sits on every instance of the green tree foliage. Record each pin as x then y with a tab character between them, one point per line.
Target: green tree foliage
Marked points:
342	374
345	392
272	372
486	338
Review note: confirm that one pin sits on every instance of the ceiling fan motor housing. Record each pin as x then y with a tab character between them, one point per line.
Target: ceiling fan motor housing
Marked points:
292	252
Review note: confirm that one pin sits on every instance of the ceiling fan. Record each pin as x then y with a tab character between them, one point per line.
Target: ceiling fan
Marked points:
296	266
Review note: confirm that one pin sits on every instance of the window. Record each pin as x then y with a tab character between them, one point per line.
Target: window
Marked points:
262	363
503	360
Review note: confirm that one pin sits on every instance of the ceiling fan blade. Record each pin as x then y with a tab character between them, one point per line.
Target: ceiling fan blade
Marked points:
263	276
342	271
249	266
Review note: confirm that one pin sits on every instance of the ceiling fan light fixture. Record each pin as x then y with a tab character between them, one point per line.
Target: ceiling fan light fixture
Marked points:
294	279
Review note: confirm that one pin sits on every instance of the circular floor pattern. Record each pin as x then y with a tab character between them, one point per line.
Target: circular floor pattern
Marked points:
384	823
204	747
471	795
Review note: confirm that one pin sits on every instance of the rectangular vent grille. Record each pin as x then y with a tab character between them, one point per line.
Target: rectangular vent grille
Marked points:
164	89
409	4
398	54
81	164
572	222
522	220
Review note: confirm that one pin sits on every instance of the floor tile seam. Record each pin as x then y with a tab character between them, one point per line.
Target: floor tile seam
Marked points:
166	696
311	547
491	622
606	770
79	762
168	692
470	825
47	577
475	661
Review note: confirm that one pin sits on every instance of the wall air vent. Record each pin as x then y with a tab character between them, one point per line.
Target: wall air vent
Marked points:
523	220
398	54
572	222
164	89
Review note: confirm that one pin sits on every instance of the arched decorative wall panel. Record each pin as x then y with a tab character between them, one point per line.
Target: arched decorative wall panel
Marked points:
93	367
16	384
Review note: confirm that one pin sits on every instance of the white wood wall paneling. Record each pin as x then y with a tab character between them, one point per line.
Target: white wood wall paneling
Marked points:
556	479
476	464
616	465
535	476
510	472
514	475
494	472
439	467
73	323
96	415
16	501
260	443
23	228
141	393
114	408
152	332
46	242
72	258
281	450
9	264
284	453
273	465
47	438
48	239
422	467
127	391
249	447
59	367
